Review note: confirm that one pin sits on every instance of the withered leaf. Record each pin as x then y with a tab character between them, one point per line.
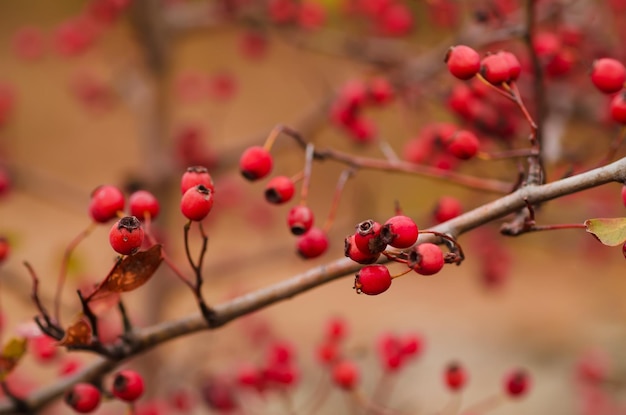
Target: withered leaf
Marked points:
130	273
609	231
11	355
78	334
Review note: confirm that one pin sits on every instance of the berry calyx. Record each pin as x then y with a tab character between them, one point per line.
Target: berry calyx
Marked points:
367	237
312	244
463	61
255	163
280	189
463	145
455	377
196	203
426	259
372	280
83	398
516	384
194	176
126	235
618	107
106	201
127	385
143	203
399	231
300	219
352	251
346	375
608	75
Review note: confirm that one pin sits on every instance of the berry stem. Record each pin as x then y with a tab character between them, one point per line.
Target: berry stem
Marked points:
298	176
128	327
453	406
50	328
306	175
207	312
485	405
341	183
93	319
65	265
456	247
513	153
402	273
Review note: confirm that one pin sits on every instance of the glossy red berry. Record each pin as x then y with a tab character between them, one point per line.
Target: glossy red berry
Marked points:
312	244
196	203
608	75
516	384
105	202
346	375
352	251
127	385
367	237
300	219
495	69
5	249
194	176
447	208
618	107
399	231
463	61
515	67
126	235
372	280
455	377
463	145
280	189
396	20
255	163
83	398
143	203
426	259
624	194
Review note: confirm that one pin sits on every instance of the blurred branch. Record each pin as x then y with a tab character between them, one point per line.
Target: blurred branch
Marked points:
148	338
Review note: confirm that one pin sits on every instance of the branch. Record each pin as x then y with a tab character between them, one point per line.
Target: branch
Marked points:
151	337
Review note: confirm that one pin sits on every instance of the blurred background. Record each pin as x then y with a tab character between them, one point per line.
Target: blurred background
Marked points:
131	92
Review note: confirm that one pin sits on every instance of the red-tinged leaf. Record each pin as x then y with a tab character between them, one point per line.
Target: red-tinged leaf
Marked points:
130	273
11	355
609	231
78	334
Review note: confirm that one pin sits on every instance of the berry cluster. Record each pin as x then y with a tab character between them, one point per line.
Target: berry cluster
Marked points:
127	386
392	18
308	15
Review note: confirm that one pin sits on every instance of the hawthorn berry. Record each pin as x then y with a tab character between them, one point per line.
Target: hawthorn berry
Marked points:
463	61
380	90
328	352
395	20
250	376
194	176
624	194
83	398
28	43
336	329
516	384
352	251
126	235
608	75
411	344
143	203
44	348
390	352
463	145
372	280
300	219
5	249
515	67
367	237
255	163
346	375
311	15
447	208
312	244
426	259
618	107
495	69
106	201
362	130
455	377
399	231
279	189
128	385
197	202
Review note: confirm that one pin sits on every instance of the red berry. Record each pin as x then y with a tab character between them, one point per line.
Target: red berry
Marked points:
367	237
44	348
426	259
194	176
372	280
83	398
280	189
455	377
346	375
250	376
353	94
352	251
399	231
28	43
390	352
219	395
196	203
608	75
69	367
127	385
463	61
253	44
495	69
126	235
546	45
311	15
255	163
328	352
312	244
143	203
336	329
282	11
411	345
105	202
447	208
5	249
516	384
515	67
395	20
618	107
300	219
380	90
463	145
624	195
362	130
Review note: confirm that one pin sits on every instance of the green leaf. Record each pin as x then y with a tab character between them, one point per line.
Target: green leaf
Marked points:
11	355
609	231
